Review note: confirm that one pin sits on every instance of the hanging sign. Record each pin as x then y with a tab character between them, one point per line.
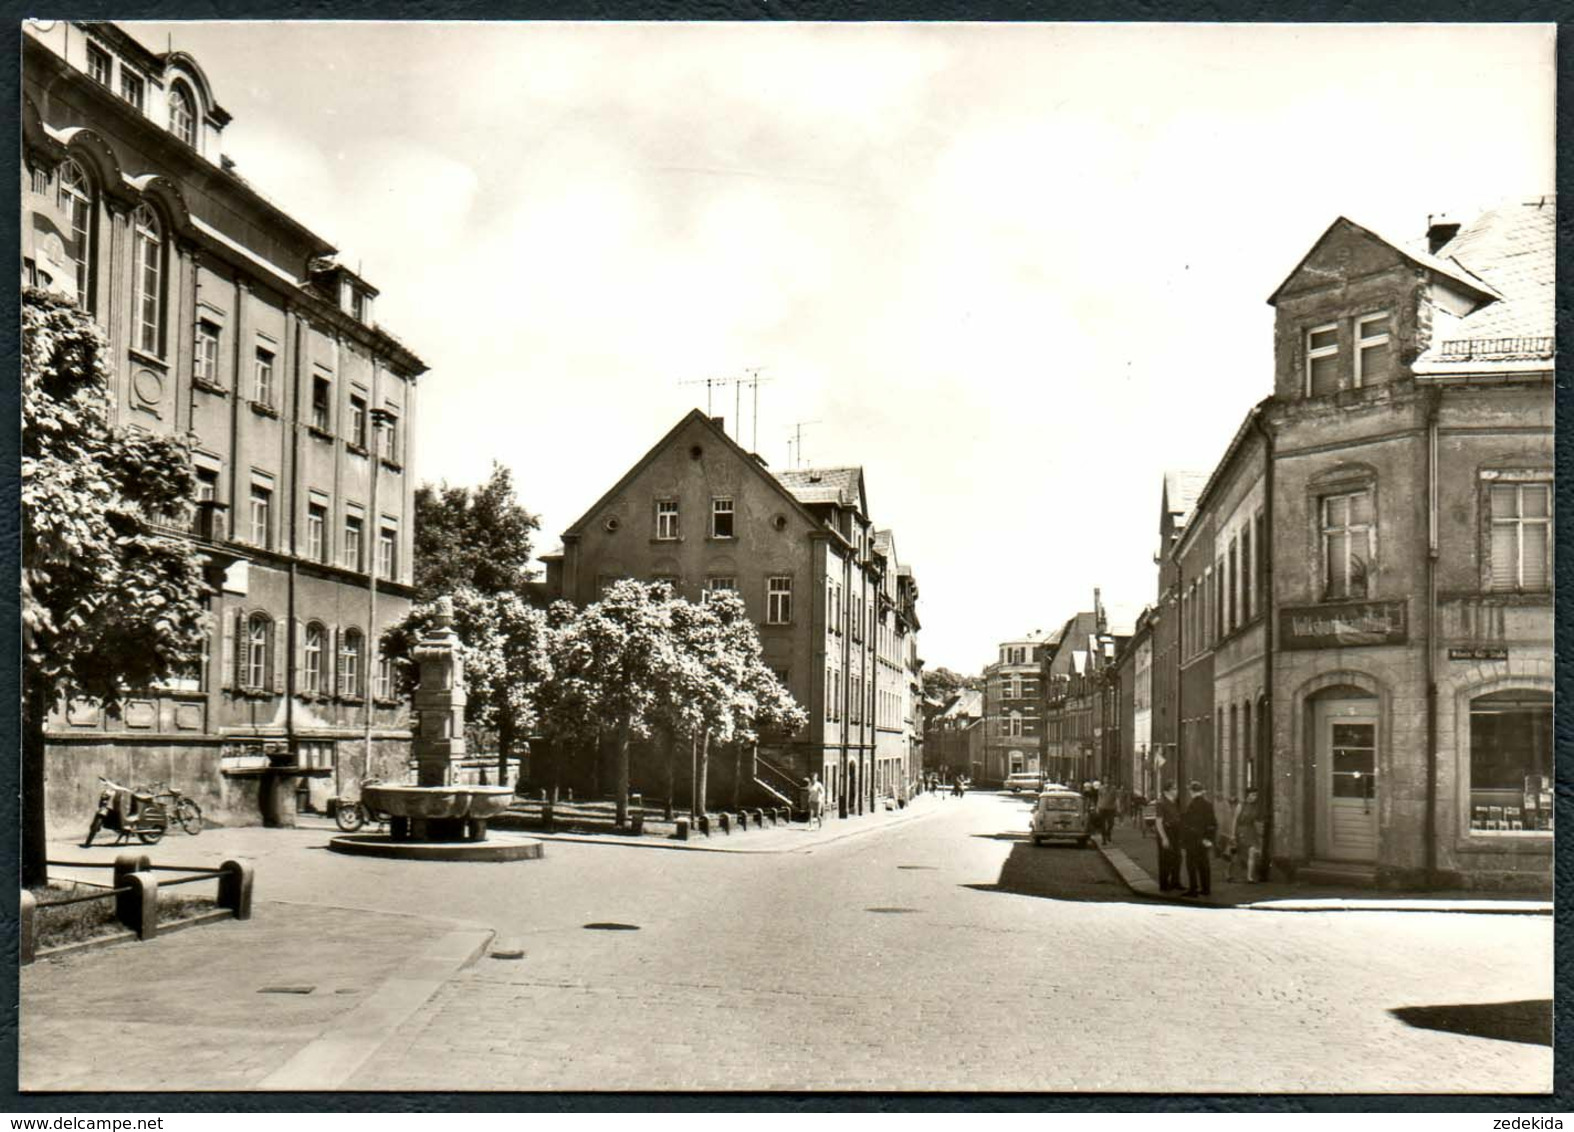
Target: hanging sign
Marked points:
1343	626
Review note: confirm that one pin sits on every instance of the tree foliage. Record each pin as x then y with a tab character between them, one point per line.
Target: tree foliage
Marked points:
472	538
110	600
942	683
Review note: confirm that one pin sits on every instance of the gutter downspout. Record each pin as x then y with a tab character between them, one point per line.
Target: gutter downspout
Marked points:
1270	618
291	628
372	542
1430	827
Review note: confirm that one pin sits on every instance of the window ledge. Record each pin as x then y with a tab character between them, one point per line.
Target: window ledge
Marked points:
721	538
356	449
263	409
320	433
147	358
392	465
350	699
387	701
665	541
254	693
207	386
1511	834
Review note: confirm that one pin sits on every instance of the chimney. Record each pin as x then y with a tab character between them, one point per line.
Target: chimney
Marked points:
719	422
1439	230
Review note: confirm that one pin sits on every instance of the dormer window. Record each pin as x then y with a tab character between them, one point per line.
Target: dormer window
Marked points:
1372	349
132	88
183	115
99	65
1322	360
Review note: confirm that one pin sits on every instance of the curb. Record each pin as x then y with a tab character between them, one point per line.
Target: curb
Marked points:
1137	879
701	847
332	1058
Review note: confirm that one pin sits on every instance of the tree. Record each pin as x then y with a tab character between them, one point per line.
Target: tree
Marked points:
620	647
109	603
468	538
941	683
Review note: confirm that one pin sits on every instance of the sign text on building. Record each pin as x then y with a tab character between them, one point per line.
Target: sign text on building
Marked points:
1479	652
1343	626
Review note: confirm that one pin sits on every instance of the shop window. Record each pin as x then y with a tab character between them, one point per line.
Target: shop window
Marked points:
1511	762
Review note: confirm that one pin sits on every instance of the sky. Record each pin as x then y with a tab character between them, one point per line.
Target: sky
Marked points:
1013	271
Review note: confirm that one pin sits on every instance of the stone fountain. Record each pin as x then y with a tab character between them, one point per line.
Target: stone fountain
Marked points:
437	819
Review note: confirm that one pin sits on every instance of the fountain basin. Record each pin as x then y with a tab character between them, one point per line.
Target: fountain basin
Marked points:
478	803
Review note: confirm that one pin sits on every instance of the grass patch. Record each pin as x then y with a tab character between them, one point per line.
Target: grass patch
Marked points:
95	919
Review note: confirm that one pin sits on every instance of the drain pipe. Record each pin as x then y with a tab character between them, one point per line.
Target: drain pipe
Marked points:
1270	616
1430	827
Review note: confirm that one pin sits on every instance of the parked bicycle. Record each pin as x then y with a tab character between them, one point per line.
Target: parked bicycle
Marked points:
183	810
350	814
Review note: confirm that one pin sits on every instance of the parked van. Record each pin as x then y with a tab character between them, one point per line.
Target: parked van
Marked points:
1025	780
1061	815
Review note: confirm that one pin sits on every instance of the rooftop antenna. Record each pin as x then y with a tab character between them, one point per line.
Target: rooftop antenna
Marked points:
713	383
795	442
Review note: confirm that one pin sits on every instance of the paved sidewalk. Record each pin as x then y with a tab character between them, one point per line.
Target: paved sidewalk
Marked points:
1128	847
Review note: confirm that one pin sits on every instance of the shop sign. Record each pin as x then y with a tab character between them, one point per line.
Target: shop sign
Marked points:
1479	653
1343	626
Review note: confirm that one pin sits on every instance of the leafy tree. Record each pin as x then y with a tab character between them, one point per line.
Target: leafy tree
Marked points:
109	603
620	647
942	683
472	538
504	647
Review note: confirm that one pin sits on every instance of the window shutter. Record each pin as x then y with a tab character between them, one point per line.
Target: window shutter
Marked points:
338	663
300	656
242	648
227	653
278	646
1502	504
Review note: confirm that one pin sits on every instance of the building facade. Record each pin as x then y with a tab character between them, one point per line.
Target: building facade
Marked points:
231	320
837	613
1411	566
954	737
1013	706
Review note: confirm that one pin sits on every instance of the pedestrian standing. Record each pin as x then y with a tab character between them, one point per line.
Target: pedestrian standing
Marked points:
1107	803
816	801
1199	826
1248	838
1168	828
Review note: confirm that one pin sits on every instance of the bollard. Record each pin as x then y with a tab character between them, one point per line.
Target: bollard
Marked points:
705	824
570	797
128	863
137	908
681	832
743	821
235	888
543	794
636	814
27	928
759	819
725	820
546	815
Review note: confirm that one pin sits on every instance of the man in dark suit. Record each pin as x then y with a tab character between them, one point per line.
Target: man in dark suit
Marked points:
1168	828
1198	827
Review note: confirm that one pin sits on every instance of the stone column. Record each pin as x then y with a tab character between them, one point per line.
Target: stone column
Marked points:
439	701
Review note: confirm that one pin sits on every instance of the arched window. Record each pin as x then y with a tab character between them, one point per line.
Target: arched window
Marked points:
350	663
148	240
311	674
182	114
259	633
76	202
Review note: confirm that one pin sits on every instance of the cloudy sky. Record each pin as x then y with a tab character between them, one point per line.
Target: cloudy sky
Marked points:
1015	271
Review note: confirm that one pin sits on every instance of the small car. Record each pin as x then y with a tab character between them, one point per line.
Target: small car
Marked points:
1061	815
1024	780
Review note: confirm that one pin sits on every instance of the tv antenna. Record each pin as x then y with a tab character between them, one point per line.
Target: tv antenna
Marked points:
753	380
795	442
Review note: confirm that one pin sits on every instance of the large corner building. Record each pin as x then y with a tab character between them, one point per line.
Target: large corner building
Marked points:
229	319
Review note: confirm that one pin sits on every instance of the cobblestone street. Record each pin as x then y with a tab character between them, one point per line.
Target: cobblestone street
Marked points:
935	949
948	953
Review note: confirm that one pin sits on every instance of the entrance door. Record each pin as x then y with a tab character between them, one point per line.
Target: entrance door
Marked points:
1347	765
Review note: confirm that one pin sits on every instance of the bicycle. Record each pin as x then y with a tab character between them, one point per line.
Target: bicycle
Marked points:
183	810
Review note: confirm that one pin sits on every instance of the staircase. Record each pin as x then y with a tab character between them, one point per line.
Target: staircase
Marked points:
777	783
